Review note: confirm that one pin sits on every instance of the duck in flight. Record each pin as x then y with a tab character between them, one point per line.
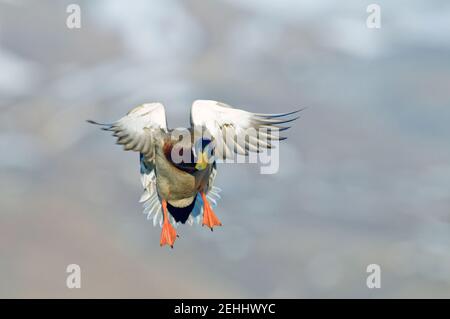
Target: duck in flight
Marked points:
178	167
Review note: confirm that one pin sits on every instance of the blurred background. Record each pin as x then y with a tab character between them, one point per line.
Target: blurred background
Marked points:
364	176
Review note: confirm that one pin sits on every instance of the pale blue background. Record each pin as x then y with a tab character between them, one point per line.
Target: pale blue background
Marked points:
364	177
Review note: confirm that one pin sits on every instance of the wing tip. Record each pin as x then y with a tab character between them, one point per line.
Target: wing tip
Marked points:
93	122
275	115
99	124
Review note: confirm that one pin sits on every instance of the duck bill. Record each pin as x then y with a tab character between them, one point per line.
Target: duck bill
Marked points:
202	162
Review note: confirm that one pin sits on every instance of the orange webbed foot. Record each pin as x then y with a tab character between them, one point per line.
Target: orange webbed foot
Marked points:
168	232
209	218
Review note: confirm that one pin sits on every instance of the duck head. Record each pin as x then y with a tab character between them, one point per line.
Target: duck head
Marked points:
190	157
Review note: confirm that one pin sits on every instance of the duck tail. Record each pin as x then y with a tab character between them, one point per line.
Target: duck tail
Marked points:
181	214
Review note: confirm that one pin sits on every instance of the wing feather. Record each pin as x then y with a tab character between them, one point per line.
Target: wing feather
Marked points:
238	131
136	130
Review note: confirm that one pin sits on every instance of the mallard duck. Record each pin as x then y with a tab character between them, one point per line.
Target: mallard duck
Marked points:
178	167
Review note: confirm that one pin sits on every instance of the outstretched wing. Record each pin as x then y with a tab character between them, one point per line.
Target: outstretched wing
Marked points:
238	131
136	130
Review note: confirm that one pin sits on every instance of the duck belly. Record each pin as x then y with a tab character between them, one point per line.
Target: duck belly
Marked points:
174	185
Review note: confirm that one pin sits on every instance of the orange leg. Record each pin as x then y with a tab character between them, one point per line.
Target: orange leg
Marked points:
168	233
209	218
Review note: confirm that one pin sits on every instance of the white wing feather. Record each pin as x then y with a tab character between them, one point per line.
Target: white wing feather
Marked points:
236	130
136	130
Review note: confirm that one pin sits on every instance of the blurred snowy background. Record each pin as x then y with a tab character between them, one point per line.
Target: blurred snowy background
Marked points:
364	176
